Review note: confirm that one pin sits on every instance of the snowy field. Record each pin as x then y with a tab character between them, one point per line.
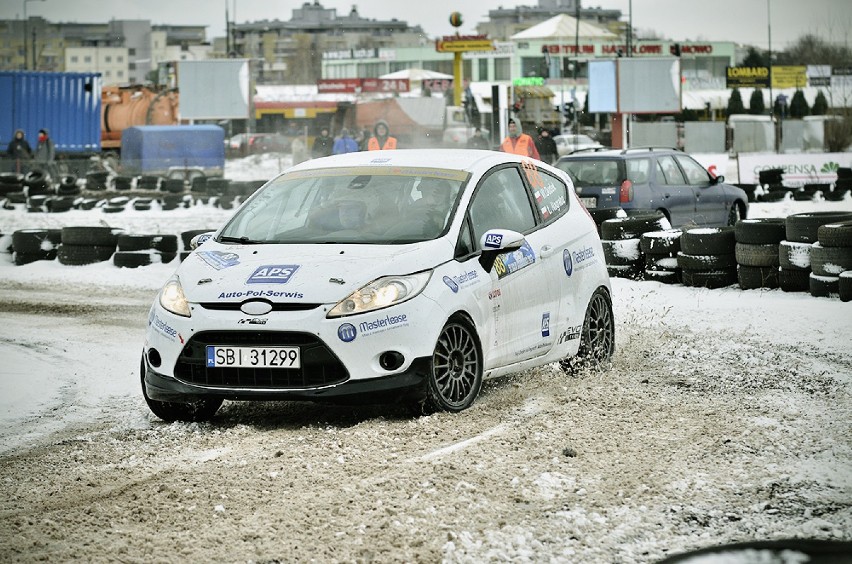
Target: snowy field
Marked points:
725	416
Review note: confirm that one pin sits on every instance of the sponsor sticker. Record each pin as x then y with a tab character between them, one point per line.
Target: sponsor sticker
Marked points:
582	258
261	294
218	259
451	284
510	263
567	262
571	334
462	280
493	240
163	327
347	332
381	324
273	274
545	324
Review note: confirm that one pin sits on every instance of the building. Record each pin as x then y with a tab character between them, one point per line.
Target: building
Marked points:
503	23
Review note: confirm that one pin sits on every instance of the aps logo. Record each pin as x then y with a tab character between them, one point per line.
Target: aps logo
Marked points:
493	240
273	274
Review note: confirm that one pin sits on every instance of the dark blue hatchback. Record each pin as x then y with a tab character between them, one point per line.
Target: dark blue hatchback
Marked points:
655	178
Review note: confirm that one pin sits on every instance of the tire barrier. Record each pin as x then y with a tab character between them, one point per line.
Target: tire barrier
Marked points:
707	257
30	245
757	251
621	240
831	257
141	250
661	249
87	245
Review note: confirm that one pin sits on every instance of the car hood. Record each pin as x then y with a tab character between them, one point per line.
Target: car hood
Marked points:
299	273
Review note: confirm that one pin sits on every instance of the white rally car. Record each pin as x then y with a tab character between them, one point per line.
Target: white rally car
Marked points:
382	276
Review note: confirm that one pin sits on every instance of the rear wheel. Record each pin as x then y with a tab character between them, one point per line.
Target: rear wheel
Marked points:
198	410
735	214
456	375
597	342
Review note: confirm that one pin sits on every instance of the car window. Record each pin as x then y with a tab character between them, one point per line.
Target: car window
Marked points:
669	171
551	196
638	170
591	172
695	173
501	202
350	205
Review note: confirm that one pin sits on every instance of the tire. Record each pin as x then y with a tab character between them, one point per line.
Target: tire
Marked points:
90	236
597	341
173	185
794	256
824	286
706	262
804	227
198	410
198	184
455	374
622	253
837	234
632	227
131	259
794	280
663	276
36	241
757	255
830	261
79	255
631	272
761	231
21	259
217	186
661	263
736	213
661	242
122	183
753	277
709	278
844	286
708	241
59	204
186	236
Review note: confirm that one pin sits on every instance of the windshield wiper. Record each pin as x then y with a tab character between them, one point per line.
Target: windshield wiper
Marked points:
242	240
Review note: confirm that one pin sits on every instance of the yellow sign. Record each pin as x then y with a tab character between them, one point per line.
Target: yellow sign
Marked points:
789	77
462	45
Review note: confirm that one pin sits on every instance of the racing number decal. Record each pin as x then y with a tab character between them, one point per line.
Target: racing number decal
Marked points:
531	171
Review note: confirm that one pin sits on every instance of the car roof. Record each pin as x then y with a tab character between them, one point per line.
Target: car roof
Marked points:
454	159
626	153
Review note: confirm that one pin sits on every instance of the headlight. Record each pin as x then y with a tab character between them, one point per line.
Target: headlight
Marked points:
173	299
380	293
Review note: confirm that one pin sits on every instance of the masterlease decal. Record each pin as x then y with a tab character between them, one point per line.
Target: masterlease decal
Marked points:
162	327
381	324
261	294
273	274
581	259
510	263
218	259
567	262
461	281
347	332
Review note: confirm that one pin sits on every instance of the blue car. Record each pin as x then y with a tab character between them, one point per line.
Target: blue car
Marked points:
654	178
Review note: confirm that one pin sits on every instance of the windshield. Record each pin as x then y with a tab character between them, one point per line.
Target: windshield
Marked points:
376	205
591	172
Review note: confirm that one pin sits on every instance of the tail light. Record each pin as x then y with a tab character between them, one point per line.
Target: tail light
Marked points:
625	193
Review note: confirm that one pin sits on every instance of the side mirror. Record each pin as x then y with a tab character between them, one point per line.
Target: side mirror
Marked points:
200	239
496	242
717	180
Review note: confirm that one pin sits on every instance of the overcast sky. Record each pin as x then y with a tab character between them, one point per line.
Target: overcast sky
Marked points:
742	21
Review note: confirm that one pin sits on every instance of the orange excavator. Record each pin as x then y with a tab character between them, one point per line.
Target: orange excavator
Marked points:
123	107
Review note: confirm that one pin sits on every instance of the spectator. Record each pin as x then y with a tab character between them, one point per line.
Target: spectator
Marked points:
381	139
19	149
323	144
363	139
45	152
477	141
518	142
344	144
546	146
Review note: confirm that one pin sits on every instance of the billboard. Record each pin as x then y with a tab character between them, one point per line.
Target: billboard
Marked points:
228	79
635	86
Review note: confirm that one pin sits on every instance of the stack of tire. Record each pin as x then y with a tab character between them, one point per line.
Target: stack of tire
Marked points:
174	188
87	245
148	182
621	240
771	180
122	183
794	253
66	195
142	250
115	205
186	239
96	180
756	251
217	189
11	187
599	215
142	204
831	257
30	245
707	257
842	185
661	249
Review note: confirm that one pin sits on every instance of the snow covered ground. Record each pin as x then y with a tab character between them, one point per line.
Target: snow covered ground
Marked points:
725	416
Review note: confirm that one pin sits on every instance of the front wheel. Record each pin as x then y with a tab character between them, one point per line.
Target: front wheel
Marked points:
198	410
597	342
455	377
735	214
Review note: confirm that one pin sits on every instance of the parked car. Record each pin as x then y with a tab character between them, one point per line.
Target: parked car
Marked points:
392	276
568	143
655	178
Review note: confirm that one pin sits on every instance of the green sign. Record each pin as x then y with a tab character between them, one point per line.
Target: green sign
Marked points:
529	81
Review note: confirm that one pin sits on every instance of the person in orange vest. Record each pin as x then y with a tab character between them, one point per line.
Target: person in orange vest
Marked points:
519	142
381	140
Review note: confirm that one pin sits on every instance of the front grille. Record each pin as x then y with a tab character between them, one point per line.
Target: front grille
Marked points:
235	306
320	367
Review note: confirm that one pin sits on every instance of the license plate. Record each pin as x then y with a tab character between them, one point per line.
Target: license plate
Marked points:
253	357
589	202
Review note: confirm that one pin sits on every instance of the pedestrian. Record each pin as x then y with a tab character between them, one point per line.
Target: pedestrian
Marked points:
381	139
477	141
344	144
19	149
323	144
519	142
546	146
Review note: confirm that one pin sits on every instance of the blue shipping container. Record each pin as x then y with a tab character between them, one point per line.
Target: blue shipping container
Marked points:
154	149
67	104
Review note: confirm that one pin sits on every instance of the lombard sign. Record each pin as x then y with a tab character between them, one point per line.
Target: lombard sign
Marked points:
744	77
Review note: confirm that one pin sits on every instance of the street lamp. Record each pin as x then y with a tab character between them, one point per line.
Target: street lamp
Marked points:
26	51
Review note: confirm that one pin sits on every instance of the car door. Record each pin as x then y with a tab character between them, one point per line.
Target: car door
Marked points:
710	199
523	296
673	192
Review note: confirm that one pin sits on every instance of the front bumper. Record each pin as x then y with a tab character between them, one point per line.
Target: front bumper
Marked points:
409	385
